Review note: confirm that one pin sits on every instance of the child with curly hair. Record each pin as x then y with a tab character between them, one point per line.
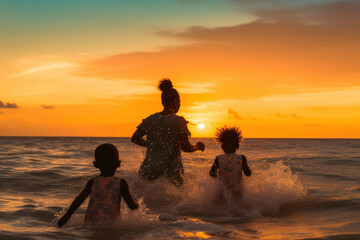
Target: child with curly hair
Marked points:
229	166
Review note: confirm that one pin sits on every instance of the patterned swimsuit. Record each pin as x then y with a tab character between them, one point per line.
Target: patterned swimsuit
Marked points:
230	172
104	203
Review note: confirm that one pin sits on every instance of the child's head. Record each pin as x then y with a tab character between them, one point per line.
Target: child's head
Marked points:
229	137
106	158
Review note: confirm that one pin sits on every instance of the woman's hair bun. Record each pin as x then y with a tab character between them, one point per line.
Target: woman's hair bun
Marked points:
165	85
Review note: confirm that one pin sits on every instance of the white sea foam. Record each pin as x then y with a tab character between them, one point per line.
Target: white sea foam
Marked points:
270	186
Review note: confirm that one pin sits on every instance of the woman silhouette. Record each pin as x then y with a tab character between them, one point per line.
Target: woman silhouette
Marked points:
166	135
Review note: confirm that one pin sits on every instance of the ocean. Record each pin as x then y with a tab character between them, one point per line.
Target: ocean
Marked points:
299	189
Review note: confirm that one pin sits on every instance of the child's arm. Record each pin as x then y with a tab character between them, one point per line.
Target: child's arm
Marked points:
245	167
124	191
138	139
76	203
214	168
186	146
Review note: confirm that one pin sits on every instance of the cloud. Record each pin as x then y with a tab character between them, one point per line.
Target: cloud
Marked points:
47	106
335	97
214	104
295	47
249	3
8	105
196	88
254	5
342	13
121	99
291	115
295	116
233	114
44	68
191	123
274	4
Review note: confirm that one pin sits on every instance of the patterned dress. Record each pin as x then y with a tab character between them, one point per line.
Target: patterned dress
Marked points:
104	203
230	172
163	153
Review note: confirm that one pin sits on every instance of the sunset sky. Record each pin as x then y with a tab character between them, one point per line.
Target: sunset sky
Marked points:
274	68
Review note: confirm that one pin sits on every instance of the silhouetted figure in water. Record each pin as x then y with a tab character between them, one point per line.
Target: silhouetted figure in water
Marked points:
229	166
105	190
166	135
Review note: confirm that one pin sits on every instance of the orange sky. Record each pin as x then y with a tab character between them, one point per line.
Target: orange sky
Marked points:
285	71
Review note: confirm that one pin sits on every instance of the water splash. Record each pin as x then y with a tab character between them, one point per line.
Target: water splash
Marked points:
270	186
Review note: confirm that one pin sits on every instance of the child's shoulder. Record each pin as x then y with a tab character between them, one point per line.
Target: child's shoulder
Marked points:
239	155
119	179
230	155
104	180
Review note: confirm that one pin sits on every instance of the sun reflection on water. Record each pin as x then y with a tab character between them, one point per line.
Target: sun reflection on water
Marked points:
191	234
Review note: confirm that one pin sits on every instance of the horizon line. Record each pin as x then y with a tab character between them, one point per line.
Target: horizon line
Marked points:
191	137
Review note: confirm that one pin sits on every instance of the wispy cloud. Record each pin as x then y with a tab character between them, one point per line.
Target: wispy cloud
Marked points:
196	88
47	106
120	99
233	114
214	104
8	105
291	115
336	97
44	68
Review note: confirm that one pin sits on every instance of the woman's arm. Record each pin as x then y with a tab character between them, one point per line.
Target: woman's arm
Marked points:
245	167
124	191
186	146
138	139
214	168
76	203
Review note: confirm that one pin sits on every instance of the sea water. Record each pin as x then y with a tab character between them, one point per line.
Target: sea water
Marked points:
299	189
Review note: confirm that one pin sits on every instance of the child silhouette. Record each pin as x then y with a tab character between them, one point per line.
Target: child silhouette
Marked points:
229	166
105	190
